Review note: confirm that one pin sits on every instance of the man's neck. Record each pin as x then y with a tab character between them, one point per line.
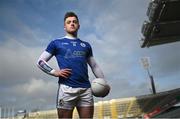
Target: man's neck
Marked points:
71	36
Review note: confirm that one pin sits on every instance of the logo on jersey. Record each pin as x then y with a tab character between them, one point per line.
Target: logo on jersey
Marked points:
74	54
68	54
65	43
73	43
83	44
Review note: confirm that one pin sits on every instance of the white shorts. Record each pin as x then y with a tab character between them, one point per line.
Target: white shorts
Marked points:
68	97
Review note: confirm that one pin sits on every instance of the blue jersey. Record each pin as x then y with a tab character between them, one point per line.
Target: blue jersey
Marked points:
72	54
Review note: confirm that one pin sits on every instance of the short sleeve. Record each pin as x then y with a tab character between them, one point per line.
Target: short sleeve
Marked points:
51	48
90	52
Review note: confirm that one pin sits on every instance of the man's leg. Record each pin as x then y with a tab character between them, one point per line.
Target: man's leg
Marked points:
85	105
64	113
65	103
86	112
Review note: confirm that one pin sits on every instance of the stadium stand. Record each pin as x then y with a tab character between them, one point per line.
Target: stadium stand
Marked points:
163	25
145	106
173	112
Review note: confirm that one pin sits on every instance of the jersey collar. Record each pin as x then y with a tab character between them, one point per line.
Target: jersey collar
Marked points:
69	37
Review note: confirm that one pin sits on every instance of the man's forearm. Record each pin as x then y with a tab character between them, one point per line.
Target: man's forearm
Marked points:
43	65
97	71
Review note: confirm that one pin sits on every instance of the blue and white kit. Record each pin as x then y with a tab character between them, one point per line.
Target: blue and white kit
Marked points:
72	54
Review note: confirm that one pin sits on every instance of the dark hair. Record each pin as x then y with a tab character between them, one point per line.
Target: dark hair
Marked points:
70	14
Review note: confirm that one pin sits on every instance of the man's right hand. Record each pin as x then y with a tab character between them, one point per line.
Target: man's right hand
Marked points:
64	73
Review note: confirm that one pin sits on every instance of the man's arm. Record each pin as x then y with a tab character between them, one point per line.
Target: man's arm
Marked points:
44	66
95	68
42	63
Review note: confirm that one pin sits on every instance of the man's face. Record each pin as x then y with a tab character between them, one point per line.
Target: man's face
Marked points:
71	25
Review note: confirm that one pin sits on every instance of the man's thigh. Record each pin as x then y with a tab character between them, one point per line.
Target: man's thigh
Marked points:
86	112
66	99
85	98
85	105
64	113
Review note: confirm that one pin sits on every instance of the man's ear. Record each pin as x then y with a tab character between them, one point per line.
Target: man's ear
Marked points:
64	27
79	26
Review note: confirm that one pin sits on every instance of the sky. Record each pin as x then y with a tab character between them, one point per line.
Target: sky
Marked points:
113	28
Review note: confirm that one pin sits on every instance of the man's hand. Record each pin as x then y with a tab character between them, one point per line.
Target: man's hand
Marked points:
65	73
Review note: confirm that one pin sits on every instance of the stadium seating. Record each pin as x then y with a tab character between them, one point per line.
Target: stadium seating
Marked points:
163	24
150	105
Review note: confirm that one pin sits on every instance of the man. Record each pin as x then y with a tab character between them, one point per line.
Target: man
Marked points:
72	55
